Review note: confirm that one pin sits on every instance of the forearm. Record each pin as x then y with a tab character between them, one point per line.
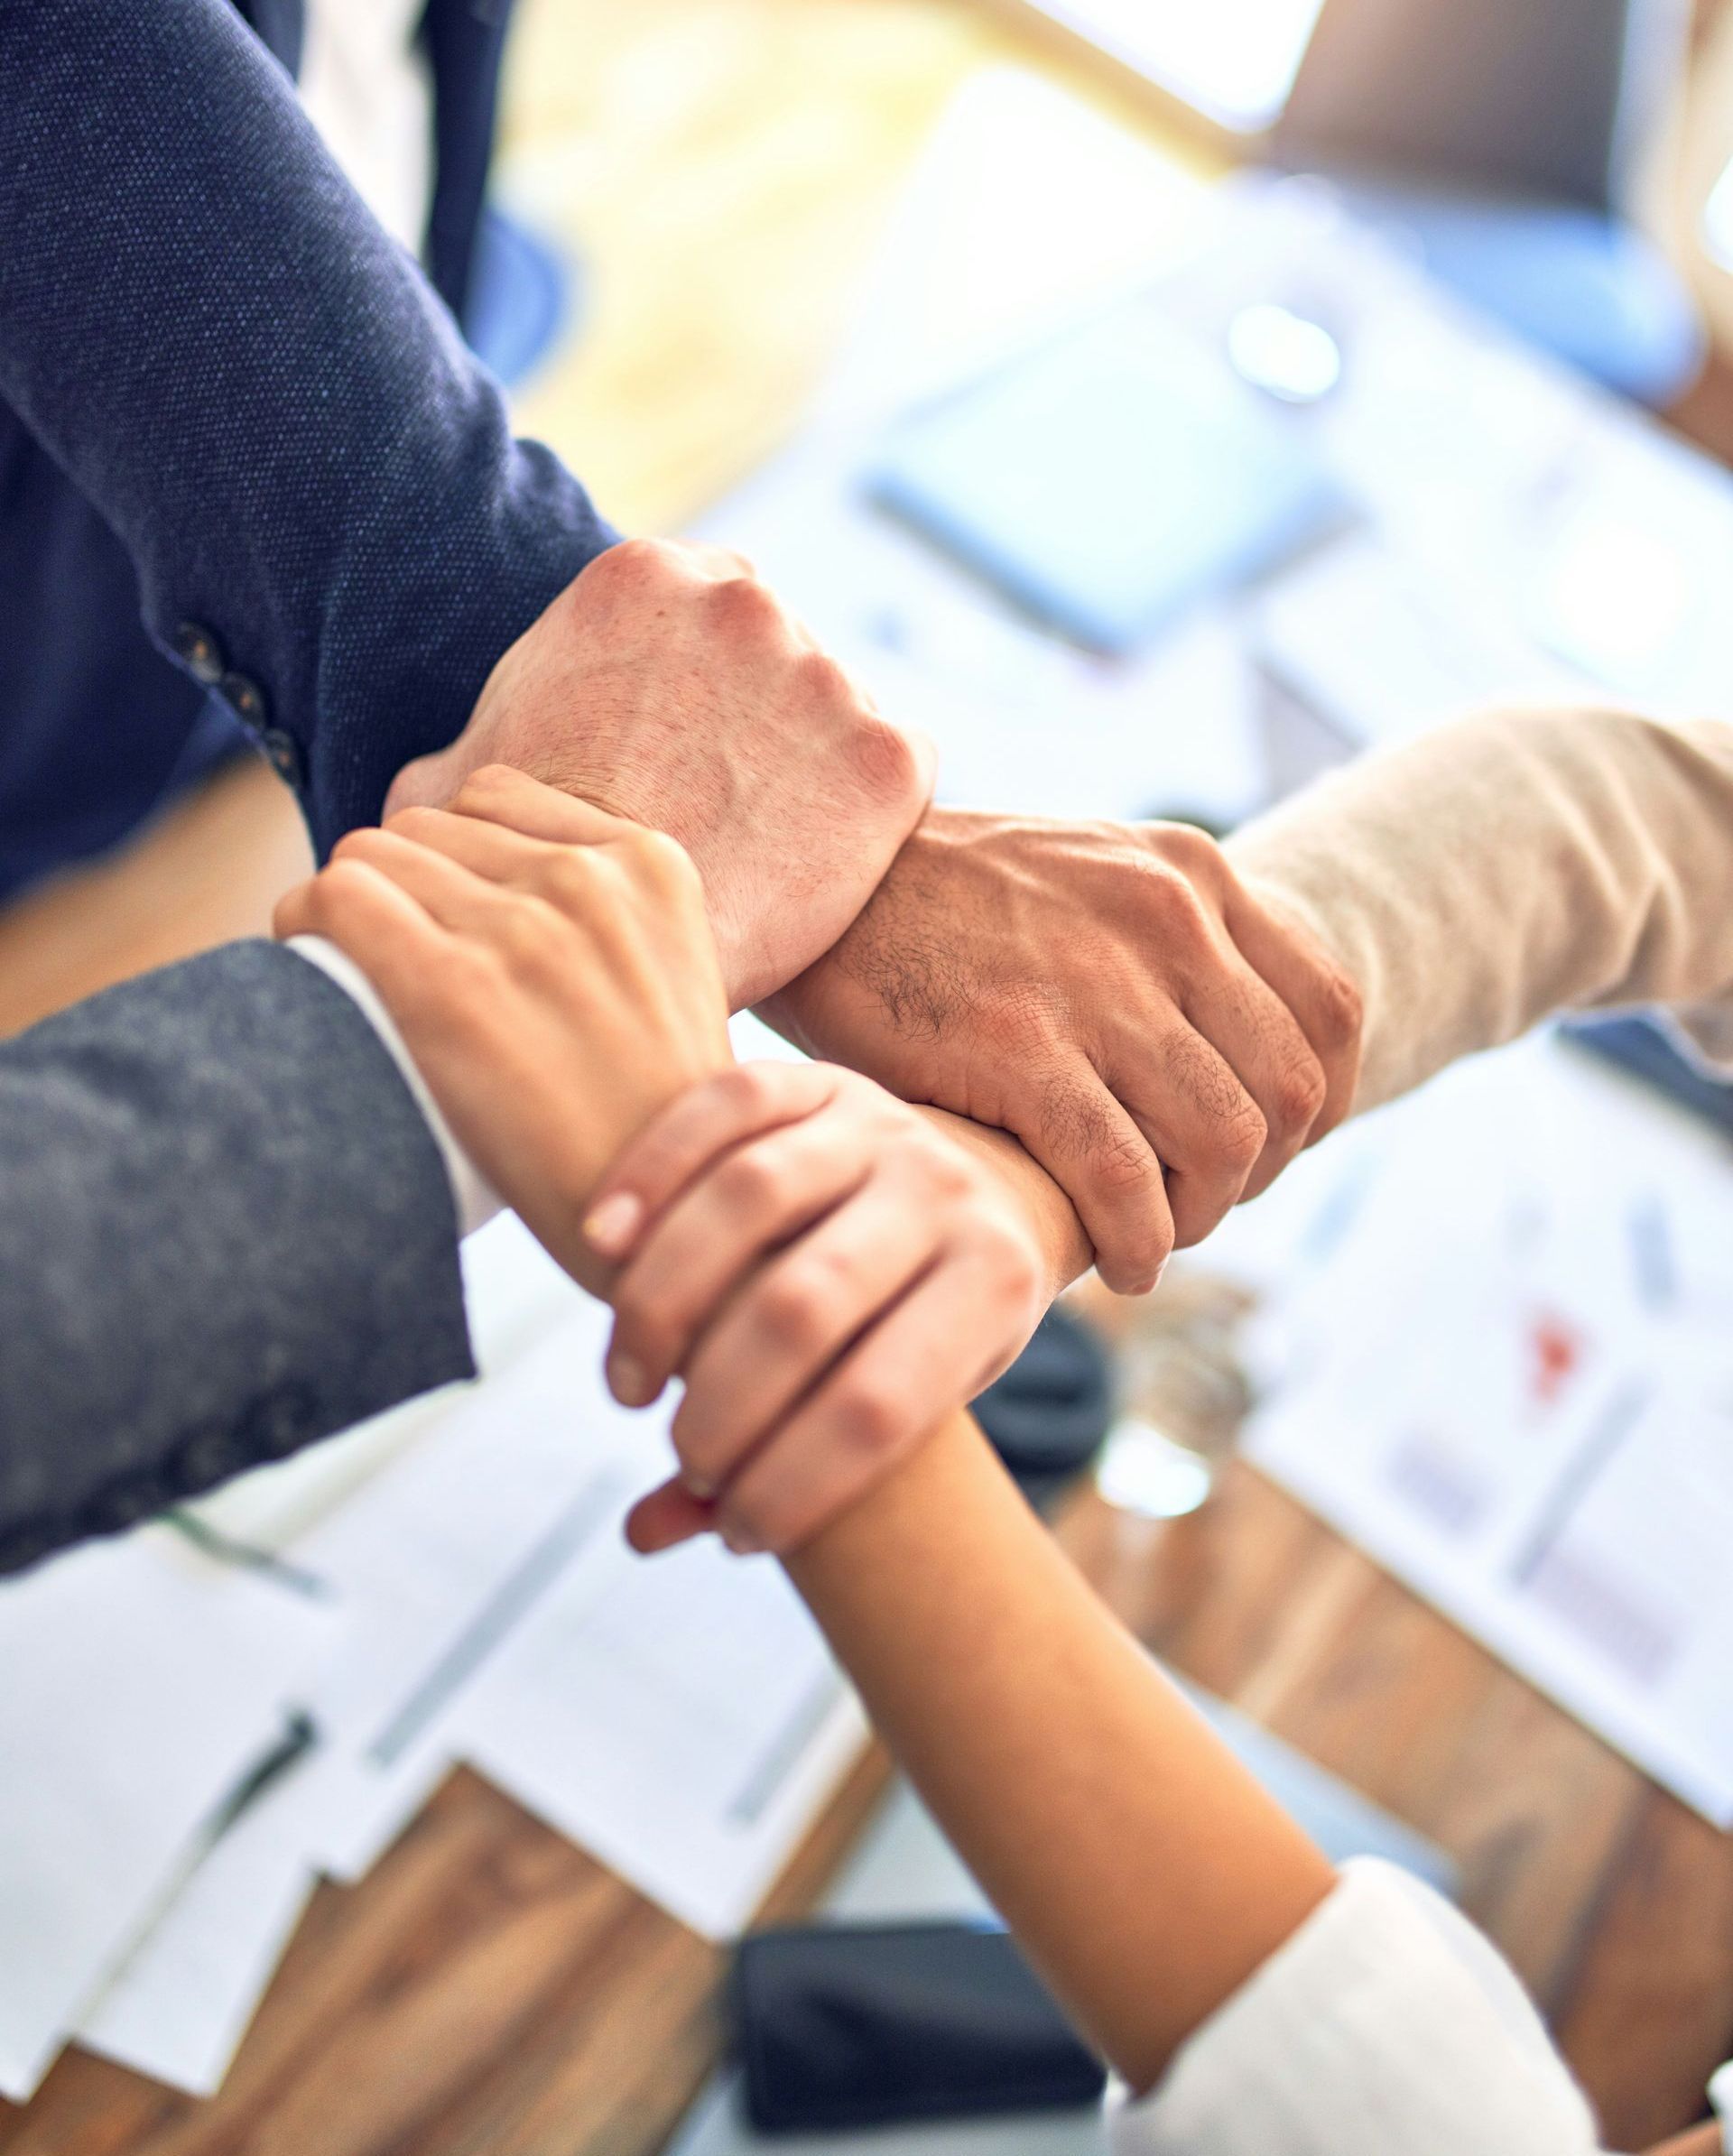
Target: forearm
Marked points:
1143	1870
1508	867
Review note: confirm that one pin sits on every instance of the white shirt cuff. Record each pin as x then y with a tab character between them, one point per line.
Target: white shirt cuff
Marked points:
1720	2094
1387	2023
474	1198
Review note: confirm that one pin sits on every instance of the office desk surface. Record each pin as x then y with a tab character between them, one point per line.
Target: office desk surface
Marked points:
489	1987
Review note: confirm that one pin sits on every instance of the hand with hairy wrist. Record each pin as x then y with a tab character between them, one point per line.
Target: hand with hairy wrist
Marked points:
1162	1039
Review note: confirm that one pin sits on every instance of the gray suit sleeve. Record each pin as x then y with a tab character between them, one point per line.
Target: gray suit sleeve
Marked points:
225	1231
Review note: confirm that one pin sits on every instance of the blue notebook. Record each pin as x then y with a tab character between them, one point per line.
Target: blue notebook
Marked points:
1106	480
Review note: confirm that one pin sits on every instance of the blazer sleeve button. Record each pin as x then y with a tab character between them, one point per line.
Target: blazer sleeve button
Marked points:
283	753
246	699
200	652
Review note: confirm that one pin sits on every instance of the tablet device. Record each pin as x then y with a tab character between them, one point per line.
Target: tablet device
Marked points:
1110	478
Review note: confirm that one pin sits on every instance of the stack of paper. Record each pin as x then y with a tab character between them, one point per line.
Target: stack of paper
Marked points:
193	1740
1498	1353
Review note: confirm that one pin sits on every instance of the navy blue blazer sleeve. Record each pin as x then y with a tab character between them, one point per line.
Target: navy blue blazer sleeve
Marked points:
201	322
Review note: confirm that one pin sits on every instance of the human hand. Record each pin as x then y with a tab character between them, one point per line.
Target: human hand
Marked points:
831	1273
667	684
552	971
1161	1040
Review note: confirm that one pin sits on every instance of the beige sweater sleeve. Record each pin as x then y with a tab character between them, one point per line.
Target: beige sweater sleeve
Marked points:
1512	864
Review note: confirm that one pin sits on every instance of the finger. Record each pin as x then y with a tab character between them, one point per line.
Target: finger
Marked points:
1202	1124
759	1197
667	1516
291	913
372	920
1259	1039
1324	1000
781	1334
931	1352
705	1121
1096	1154
496	852
454	895
497	793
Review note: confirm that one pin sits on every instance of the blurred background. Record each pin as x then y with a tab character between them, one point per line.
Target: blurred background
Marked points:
1160	404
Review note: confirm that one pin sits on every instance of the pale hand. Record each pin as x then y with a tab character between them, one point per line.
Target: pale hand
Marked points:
668	684
828	1271
552	971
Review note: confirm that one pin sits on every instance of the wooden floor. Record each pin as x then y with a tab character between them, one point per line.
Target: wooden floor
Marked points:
724	167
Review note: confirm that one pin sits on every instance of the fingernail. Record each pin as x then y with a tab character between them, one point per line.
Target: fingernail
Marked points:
628	1380
740	1542
698	1485
610	1228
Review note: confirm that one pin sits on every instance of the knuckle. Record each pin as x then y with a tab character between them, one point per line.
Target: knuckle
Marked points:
1298	1096
1122	1163
749	1185
337	887
791	1310
472	975
533	938
565	878
883	757
1010	1267
753	1089
1241	1133
866	1418
420	823
1132	1257
632	562
946	1173
353	845
746	605
1180	917
1341	1010
662	864
489	787
1023	1027
1194	853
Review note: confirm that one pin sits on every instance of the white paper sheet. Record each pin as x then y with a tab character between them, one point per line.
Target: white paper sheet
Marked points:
439	1558
138	1683
179	2007
1512	1382
682	1719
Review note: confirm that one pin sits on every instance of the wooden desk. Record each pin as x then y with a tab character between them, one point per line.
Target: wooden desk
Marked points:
724	165
489	1988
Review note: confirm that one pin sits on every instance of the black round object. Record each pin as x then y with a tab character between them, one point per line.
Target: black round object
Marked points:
1047	1414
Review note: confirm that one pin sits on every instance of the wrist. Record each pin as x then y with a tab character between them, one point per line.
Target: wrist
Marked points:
1045	1210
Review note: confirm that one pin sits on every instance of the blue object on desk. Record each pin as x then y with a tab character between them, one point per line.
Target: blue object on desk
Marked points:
1506	138
1639	1047
1109	477
1590	288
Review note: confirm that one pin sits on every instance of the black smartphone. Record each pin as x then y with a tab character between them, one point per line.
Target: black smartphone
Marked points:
846	2025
